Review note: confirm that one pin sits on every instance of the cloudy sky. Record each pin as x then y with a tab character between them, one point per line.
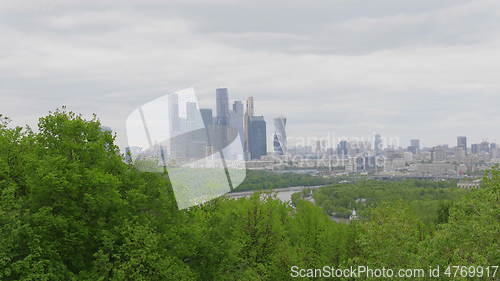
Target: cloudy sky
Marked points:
425	69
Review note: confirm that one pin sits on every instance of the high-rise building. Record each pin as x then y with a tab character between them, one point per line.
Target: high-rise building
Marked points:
439	153
173	110
236	118
414	146
493	146
412	149
238	107
207	116
415	143
343	149
493	150
475	148
462	143
280	140
318	147
175	146
208	122
257	137
249	112
484	147
366	163
222	133
459	154
222	106
378	144
192	116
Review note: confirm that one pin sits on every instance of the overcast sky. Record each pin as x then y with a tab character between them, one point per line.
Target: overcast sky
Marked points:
425	69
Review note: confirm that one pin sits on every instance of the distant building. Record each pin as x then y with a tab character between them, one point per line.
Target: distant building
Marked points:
414	146
412	149
415	143
257	137
280	139
469	184
318	147
173	110
207	116
493	150
222	136
236	118
462	143
366	164
249	112
343	149
222	106
378	145
192	116
475	148
484	147
493	146
439	154
438	169
459	154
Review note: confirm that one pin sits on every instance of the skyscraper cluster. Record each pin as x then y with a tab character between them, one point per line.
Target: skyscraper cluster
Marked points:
174	130
236	122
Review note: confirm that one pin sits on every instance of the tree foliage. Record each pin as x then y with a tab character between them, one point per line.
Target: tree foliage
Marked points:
72	209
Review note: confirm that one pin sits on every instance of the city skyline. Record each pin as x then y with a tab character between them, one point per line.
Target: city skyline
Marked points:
240	117
173	132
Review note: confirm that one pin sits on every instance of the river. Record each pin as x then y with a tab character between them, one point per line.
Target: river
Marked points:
285	195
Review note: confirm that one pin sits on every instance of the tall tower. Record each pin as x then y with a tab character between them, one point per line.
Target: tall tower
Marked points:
192	116
343	149
221	132
173	110
257	137
236	120
378	144
279	140
206	115
249	112
250	107
222	106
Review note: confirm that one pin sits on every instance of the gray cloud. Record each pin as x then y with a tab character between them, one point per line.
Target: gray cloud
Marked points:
425	69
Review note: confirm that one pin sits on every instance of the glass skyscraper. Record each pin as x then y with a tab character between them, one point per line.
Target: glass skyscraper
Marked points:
257	137
279	140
